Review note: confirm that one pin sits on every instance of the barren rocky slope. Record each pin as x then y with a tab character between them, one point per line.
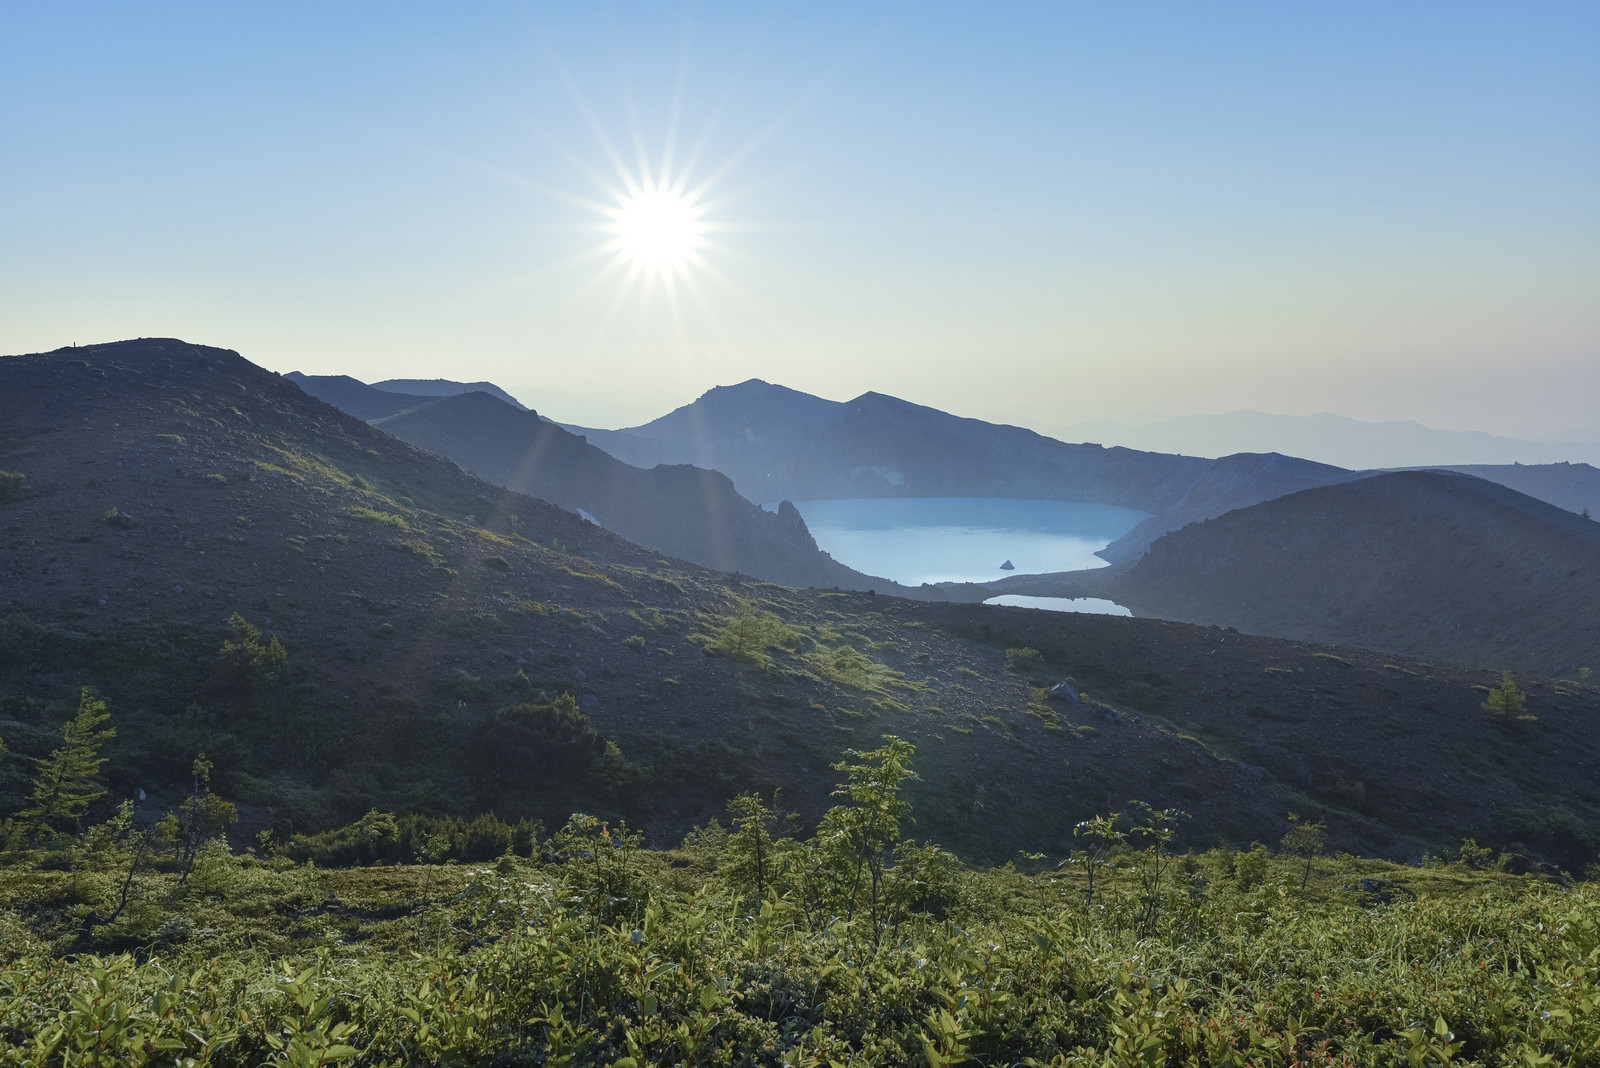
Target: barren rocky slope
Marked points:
680	510
1427	563
777	443
1574	487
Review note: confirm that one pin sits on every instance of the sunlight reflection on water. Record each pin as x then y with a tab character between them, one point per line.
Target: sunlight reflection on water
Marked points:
1098	606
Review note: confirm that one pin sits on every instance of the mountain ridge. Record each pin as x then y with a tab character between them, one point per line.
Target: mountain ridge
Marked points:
1329	438
431	618
444	387
676	509
1427	563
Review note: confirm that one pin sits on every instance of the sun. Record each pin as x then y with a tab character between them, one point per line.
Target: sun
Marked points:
657	229
656	209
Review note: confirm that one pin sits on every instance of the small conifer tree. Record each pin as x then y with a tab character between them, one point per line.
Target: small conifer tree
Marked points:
751	851
1506	703
65	783
1305	839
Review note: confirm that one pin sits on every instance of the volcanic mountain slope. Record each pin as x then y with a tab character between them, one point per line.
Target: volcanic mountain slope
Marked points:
1433	564
355	397
777	443
1574	487
444	387
1231	482
680	510
428	620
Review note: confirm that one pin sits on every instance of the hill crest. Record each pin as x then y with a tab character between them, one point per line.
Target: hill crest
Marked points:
1429	563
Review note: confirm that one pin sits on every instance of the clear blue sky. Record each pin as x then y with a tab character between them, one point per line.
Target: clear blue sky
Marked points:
1034	213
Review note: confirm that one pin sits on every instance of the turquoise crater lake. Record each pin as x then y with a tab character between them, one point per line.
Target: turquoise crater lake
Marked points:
913	540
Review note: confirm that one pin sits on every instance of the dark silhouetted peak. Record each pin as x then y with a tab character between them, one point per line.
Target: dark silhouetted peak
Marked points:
355	397
1424	562
444	387
481	404
1277	462
752	407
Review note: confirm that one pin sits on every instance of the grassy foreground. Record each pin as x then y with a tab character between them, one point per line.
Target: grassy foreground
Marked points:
610	955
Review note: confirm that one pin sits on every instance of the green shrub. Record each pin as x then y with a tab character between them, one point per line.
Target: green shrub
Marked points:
750	632
1507	705
13	484
864	949
1023	659
372	515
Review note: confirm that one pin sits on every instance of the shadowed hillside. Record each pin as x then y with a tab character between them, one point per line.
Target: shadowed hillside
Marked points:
339	621
680	510
444	387
1574	487
354	396
1428	563
776	443
1236	481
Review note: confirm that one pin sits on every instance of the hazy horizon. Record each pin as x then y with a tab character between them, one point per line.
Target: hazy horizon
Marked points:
1038	216
1322	436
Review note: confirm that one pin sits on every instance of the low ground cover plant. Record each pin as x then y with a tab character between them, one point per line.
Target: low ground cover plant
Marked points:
856	946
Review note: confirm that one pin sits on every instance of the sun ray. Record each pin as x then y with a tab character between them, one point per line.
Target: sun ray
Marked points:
680	84
658	195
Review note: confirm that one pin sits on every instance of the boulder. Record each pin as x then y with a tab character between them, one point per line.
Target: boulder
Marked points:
1066	691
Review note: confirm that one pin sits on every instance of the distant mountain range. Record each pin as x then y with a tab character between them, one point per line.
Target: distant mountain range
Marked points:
161	499
1330	439
683	511
443	387
778	443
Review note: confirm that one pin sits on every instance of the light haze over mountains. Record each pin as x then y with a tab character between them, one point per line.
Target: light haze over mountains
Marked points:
1331	439
1418	561
159	483
1032	214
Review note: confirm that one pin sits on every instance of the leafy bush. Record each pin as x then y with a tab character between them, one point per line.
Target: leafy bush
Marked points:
372	515
13	484
523	749
1023	659
592	950
1507	705
594	957
749	633
381	838
249	658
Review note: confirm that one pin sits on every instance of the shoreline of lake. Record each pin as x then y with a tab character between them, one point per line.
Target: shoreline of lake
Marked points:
936	540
